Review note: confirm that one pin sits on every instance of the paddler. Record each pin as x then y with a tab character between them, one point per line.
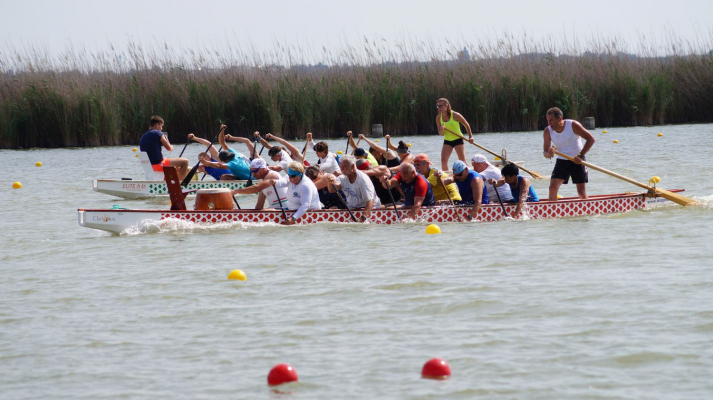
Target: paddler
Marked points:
520	188
449	120
566	136
301	193
259	169
471	186
216	173
238	164
423	166
382	155
151	143
415	187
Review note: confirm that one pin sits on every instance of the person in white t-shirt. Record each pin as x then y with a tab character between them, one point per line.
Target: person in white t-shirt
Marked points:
260	170
358	190
482	166
281	157
301	192
327	161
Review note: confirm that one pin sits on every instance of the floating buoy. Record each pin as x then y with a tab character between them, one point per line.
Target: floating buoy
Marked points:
559	196
656	179
281	373
659	134
615	141
497	158
237	274
17	185
436	368
137	156
134	149
408	144
604	131
433	229
38	164
377	140
339	152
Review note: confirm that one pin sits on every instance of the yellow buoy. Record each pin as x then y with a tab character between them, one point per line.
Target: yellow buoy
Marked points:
408	144
559	196
339	152
17	185
237	274
377	140
137	156
134	149
656	179
660	134
615	141
497	158
38	164
604	131
433	229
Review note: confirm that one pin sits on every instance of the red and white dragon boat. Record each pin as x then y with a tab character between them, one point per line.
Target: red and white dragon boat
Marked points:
121	220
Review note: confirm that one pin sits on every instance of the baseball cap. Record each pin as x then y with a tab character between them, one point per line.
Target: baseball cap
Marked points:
479	158
359	152
459	166
363	164
256	164
422	157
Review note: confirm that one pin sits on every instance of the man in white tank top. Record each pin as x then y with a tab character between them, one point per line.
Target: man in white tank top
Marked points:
566	135
267	197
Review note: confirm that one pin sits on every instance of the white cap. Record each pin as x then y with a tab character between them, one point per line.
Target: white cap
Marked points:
479	158
258	163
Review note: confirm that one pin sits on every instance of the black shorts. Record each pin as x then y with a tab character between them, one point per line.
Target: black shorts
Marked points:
566	168
453	143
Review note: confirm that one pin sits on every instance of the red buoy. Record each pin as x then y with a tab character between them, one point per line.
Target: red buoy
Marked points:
281	373
436	368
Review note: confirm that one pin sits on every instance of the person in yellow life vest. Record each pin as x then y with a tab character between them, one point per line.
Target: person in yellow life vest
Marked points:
423	166
449	122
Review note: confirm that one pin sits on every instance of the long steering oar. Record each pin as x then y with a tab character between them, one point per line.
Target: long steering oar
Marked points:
676	198
388	189
532	173
188	177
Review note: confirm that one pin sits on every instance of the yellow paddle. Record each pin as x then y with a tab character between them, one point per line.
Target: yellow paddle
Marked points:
532	173
676	198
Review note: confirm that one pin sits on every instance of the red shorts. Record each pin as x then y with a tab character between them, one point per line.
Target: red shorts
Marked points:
159	167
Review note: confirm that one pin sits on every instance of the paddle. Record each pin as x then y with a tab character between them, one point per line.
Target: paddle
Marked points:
500	201
304	154
443	185
356	145
250	178
347	148
184	148
343	201
188	177
236	203
388	189
532	173
676	198
284	214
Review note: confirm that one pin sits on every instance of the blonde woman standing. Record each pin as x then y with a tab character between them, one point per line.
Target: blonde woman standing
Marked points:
449	122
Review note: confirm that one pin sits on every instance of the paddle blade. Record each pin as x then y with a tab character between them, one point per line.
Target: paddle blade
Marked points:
676	198
188	177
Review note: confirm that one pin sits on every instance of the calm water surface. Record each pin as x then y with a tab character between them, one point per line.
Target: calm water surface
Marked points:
615	307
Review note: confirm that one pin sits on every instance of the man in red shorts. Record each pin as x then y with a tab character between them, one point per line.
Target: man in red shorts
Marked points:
152	141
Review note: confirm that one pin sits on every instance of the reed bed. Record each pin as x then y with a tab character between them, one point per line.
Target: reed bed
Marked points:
504	83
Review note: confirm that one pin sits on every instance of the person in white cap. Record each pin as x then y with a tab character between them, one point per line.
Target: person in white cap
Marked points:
259	169
482	166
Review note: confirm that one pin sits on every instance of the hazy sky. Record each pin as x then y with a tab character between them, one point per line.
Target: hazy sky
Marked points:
184	24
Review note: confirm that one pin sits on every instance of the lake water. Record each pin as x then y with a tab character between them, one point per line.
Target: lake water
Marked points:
617	306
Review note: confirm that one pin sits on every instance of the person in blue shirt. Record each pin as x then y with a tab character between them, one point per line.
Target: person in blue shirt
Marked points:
471	186
151	143
237	163
522	190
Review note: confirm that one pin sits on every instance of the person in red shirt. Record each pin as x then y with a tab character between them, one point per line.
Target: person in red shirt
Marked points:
416	189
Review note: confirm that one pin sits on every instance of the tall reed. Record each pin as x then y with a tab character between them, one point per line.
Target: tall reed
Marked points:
500	84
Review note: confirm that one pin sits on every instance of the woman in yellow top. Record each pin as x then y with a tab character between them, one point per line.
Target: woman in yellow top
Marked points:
449	120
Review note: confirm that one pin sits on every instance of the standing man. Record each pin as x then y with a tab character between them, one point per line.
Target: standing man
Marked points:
566	135
152	141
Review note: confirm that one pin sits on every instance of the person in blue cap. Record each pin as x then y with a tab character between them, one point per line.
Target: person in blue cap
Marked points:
471	186
522	190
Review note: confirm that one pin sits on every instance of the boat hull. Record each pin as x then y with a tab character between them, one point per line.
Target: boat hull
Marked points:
120	220
131	189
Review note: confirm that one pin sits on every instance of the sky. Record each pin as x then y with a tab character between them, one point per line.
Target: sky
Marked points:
258	25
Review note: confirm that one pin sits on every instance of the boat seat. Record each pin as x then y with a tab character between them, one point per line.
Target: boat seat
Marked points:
175	192
149	173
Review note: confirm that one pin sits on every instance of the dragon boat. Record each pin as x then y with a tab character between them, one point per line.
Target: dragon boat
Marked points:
121	220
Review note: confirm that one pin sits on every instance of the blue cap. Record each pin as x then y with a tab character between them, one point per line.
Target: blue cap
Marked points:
459	166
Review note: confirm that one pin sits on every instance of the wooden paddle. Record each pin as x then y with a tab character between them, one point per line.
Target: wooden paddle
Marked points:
356	145
304	154
676	198
188	177
388	189
532	173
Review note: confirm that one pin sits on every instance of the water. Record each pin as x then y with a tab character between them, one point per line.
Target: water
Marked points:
617	306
